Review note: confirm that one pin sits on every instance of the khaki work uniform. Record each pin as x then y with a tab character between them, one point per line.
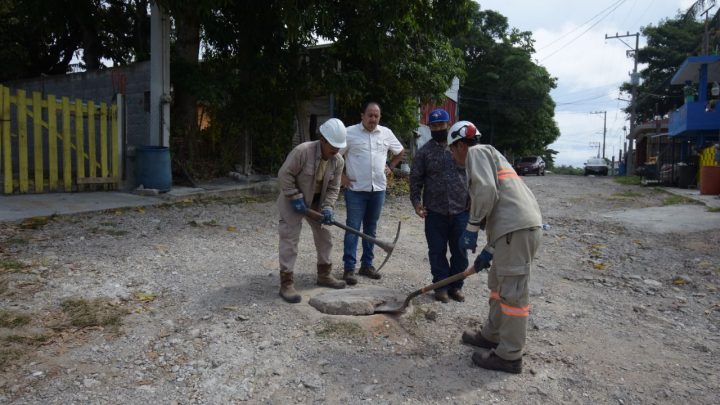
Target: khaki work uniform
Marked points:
514	229
300	177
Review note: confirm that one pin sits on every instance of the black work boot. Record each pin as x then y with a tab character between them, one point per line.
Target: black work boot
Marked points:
477	339
442	296
369	272
349	277
287	288
456	294
492	361
326	279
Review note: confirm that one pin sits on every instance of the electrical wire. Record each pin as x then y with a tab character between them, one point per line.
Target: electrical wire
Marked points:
583	33
579	26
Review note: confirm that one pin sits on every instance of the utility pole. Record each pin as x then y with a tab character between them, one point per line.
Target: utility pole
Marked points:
706	38
604	128
634	80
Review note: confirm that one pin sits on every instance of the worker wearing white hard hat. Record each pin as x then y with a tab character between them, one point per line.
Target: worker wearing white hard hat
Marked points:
506	208
310	177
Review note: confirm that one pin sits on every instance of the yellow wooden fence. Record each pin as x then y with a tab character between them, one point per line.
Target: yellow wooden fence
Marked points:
71	144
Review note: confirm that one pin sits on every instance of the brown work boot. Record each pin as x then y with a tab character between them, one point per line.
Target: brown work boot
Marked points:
492	361
325	278
349	277
456	294
369	272
287	288
442	296
477	339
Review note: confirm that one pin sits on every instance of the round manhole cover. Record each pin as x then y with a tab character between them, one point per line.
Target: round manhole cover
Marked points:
358	301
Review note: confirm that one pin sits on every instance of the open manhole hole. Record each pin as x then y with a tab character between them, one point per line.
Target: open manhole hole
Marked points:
359	301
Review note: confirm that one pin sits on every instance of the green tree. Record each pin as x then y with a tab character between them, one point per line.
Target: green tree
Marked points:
33	43
668	45
395	53
506	94
40	37
257	68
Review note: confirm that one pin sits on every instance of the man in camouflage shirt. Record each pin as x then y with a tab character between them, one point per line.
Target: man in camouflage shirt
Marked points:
439	194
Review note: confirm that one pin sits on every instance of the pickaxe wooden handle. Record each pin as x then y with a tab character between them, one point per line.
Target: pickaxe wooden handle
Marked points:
388	247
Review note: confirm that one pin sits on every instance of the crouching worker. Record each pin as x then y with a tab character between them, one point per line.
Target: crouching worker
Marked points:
500	201
310	177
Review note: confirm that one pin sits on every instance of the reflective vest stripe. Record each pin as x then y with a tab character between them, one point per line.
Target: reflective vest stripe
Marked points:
506	174
515	311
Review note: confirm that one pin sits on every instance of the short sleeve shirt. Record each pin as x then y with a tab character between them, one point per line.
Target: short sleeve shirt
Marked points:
366	155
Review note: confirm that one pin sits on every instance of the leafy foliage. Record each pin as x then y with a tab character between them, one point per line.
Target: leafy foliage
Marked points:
668	45
506	94
261	61
396	53
41	37
563	169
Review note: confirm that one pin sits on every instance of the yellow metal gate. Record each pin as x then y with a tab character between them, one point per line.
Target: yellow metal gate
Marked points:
48	144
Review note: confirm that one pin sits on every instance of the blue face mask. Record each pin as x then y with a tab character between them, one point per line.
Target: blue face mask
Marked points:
439	136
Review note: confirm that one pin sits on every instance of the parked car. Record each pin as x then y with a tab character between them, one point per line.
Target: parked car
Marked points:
596	166
530	164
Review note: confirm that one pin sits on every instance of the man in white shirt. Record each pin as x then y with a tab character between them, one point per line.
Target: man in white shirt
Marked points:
365	181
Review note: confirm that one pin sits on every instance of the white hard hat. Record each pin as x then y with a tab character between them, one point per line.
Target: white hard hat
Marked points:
462	130
334	132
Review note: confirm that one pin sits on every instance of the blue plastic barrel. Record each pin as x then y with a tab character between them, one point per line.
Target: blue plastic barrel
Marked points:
152	167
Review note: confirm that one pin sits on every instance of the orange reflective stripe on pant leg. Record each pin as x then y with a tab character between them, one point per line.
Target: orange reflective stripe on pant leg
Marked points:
515	311
494	295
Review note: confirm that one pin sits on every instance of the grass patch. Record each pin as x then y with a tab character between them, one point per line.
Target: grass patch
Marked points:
111	232
677	199
12	319
713	209
36	222
26	340
338	329
398	186
115	232
628	180
17	241
98	312
10	264
625	195
8	355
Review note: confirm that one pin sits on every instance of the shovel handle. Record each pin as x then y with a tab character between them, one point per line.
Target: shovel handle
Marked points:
442	283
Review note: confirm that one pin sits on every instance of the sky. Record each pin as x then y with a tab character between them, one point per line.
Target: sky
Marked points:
571	45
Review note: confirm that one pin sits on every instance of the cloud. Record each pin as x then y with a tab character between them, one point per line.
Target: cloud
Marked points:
571	45
590	61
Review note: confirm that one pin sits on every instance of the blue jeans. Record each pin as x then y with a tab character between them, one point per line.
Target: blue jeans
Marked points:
442	231
362	207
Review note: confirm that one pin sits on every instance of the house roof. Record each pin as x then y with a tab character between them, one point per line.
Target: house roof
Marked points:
690	69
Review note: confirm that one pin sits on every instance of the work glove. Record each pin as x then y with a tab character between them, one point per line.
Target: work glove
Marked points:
482	261
299	206
328	216
468	240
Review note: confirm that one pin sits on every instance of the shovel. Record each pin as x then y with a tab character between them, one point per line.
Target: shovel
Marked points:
388	247
397	307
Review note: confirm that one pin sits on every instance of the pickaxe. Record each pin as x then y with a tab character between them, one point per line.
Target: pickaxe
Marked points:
388	247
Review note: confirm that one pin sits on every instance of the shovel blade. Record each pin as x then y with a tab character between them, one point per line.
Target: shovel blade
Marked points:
390	307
